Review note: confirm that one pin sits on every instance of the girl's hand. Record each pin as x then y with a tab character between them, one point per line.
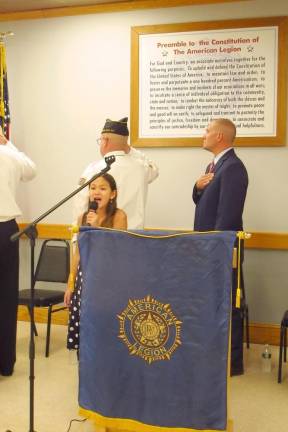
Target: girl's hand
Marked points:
67	297
92	219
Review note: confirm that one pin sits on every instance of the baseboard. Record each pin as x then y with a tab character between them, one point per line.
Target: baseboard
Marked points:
40	315
260	333
258	240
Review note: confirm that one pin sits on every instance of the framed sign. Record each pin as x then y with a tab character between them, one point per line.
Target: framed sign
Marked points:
184	75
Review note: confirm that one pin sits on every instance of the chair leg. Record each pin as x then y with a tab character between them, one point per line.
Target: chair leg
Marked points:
247	326
48	331
34	326
285	344
245	308
281	353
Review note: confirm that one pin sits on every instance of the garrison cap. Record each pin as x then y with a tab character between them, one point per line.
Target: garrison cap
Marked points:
116	127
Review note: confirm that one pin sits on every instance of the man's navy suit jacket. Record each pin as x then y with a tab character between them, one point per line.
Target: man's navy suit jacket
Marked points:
220	205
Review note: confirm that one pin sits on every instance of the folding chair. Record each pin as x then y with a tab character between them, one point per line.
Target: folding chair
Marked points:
53	266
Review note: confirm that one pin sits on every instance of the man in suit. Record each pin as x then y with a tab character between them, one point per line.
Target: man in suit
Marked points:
219	196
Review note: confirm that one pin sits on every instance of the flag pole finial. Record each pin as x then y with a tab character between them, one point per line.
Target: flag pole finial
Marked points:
4	35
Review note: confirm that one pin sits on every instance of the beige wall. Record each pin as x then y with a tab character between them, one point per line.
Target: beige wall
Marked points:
66	75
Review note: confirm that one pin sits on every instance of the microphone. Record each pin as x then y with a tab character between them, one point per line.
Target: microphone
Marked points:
93	205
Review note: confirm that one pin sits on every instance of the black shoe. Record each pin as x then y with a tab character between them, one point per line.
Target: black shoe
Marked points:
6	371
236	372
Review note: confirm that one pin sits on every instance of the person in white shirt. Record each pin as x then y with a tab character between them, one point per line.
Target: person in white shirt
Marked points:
132	170
15	166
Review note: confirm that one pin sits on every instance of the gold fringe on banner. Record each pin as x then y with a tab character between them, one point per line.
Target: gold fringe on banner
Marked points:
241	236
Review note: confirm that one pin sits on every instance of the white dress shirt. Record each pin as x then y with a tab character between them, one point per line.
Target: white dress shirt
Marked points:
219	155
15	166
132	172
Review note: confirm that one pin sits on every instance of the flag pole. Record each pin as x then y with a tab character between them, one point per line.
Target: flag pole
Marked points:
3	35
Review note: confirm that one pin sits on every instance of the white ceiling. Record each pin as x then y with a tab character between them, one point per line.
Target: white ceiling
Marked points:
8	6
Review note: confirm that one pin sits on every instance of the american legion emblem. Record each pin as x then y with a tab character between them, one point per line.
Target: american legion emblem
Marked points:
150	329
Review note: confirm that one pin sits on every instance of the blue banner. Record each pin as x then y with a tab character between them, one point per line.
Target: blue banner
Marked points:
155	320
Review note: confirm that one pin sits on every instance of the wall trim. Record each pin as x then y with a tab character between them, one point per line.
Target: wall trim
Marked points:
122	6
47	231
258	240
40	315
259	333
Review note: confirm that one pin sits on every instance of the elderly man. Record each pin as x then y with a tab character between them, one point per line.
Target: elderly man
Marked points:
219	196
132	170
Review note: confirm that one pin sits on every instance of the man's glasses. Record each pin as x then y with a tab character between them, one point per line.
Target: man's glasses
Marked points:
99	141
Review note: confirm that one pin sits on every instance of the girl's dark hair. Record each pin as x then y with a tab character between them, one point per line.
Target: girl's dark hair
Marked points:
112	205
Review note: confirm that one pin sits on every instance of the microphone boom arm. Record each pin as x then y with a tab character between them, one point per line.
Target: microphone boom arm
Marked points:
32	226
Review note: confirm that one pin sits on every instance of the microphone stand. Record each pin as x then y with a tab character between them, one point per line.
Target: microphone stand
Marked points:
31	232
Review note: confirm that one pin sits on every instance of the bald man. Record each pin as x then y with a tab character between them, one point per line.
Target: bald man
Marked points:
220	193
219	196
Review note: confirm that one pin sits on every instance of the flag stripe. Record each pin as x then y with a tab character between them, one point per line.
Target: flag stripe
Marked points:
4	97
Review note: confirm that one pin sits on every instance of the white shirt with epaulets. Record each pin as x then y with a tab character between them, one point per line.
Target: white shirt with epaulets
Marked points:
132	172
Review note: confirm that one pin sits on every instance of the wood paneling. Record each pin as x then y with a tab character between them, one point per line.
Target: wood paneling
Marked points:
259	333
258	240
105	8
267	240
60	317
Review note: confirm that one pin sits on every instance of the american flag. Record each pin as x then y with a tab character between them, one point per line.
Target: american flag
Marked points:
4	98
